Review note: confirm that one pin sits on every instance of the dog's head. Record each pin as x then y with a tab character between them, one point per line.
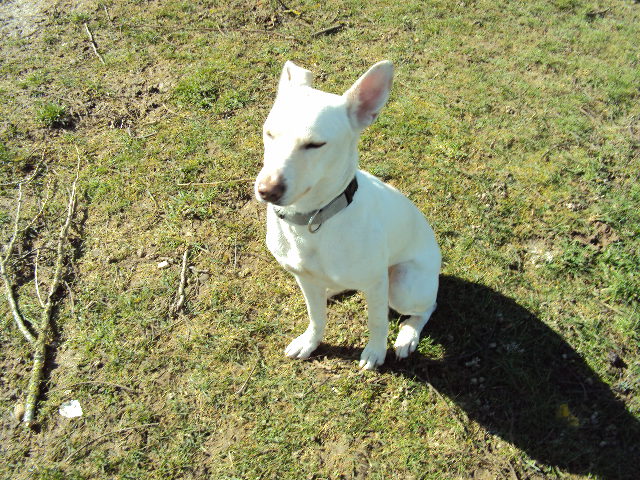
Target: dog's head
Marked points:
310	136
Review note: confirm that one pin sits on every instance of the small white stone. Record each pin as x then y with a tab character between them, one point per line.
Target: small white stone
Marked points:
70	409
163	264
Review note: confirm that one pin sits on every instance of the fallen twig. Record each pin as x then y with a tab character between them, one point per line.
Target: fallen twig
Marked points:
4	260
96	383
613	309
247	30
93	44
100	437
235	253
16	223
211	184
41	211
246	382
140	137
163	30
35	279
187	117
8	251
315	386
183	282
329	30
39	354
104	7
27	180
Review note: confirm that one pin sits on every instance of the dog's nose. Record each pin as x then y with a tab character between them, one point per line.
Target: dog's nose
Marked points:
271	189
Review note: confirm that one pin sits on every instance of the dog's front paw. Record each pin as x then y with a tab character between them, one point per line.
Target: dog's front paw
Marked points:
407	341
302	347
372	356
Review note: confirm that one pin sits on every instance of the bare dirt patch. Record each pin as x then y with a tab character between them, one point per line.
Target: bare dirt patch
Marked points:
600	236
21	17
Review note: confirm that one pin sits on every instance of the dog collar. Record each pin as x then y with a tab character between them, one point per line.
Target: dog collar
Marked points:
314	220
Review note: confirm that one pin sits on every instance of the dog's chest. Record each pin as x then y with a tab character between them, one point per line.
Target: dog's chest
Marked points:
308	255
296	255
327	258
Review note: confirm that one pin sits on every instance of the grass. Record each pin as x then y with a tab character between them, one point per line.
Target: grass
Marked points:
514	126
53	115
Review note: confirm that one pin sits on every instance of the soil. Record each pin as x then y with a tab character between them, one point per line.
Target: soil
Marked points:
21	17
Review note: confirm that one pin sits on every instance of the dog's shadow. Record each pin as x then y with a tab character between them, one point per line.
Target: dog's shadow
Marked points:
520	380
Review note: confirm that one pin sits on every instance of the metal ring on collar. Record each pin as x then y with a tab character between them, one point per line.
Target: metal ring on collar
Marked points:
311	222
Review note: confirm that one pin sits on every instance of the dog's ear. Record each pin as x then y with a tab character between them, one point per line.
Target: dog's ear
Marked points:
368	95
294	76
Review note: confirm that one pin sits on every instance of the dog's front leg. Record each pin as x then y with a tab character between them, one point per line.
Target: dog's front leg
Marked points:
315	296
378	321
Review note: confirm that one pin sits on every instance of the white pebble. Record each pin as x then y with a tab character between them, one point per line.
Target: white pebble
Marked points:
70	409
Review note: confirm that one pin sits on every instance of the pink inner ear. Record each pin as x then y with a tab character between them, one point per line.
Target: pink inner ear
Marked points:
371	96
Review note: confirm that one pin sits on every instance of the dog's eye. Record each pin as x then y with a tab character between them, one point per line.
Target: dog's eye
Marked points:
311	145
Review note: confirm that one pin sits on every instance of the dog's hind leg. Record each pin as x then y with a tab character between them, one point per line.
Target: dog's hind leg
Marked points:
409	334
412	291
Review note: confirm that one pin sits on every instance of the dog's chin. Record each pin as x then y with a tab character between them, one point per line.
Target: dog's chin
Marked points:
279	203
283	202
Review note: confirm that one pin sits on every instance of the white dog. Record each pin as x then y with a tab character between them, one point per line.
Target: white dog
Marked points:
338	228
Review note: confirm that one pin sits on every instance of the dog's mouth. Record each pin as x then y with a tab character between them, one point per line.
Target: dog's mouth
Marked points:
285	202
274	190
299	196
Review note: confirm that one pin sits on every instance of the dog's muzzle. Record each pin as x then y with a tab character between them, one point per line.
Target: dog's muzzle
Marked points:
271	188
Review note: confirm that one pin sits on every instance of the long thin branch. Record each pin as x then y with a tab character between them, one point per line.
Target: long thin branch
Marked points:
329	31
41	211
39	354
35	278
246	382
26	181
4	260
210	184
183	282
13	306
93	44
97	383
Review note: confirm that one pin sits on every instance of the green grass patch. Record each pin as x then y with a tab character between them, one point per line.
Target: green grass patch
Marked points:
514	126
53	115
